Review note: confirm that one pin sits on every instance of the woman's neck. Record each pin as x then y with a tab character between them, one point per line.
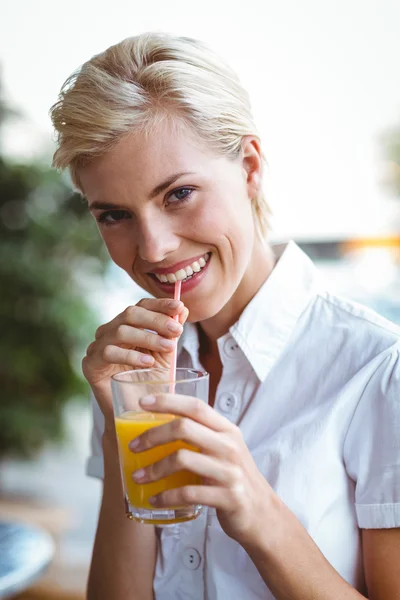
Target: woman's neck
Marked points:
259	269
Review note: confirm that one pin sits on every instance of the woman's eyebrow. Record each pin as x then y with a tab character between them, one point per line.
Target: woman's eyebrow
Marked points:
102	206
155	192
165	184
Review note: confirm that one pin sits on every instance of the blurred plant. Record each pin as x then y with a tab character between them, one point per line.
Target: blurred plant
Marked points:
50	251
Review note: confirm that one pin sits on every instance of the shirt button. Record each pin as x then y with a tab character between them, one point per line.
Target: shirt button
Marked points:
191	558
231	348
227	402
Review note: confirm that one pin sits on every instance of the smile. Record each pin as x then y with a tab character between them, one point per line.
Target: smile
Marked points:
185	273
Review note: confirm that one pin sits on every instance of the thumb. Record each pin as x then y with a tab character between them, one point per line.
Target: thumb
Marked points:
183	316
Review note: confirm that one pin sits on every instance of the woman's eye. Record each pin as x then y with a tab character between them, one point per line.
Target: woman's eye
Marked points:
110	217
179	196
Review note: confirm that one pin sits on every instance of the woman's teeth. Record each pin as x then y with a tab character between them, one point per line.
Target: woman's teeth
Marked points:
186	273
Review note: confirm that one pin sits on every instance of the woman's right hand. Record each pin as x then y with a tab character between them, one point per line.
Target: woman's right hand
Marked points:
124	344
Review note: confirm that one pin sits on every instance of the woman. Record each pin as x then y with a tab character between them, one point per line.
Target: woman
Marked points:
299	449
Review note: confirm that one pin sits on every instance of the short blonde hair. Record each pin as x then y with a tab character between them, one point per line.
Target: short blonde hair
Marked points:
143	79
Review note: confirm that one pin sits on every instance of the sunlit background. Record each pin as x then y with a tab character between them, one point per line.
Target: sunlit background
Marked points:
324	83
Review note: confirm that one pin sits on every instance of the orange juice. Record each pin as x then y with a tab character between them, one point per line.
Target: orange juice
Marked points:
130	425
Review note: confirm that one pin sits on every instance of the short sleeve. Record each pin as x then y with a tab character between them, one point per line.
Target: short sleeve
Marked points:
95	464
372	447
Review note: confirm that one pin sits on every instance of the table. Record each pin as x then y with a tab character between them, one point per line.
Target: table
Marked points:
25	552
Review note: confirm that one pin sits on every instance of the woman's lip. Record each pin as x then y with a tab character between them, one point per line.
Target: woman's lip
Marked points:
177	266
188	285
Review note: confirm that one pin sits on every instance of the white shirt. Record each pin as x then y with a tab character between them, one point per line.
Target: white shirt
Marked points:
313	381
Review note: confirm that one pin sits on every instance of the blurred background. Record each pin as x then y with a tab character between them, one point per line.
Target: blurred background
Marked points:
324	81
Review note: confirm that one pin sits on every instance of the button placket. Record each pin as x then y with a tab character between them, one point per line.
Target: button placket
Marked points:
228	399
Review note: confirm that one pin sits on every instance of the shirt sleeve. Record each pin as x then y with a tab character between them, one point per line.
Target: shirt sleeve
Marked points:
95	464
372	447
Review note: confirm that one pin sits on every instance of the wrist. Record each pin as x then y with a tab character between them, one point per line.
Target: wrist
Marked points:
103	395
109	444
271	529
109	437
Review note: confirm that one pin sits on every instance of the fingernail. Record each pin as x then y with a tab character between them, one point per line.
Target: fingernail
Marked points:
139	474
153	500
174	326
147	400
146	359
174	303
134	444
168	344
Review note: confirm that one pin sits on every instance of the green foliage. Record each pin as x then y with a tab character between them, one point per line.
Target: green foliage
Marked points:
50	251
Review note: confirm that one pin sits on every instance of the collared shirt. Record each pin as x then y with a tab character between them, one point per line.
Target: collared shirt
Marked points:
313	382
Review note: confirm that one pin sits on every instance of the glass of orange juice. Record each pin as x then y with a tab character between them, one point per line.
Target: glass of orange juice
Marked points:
131	421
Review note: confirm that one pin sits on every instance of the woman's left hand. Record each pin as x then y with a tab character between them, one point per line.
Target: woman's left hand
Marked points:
231	481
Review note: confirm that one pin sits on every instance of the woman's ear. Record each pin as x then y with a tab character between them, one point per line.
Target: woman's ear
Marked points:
252	164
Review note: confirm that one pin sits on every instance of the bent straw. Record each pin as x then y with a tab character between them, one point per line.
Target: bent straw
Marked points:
172	367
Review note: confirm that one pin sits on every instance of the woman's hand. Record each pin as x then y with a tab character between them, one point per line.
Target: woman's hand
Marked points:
124	344
232	482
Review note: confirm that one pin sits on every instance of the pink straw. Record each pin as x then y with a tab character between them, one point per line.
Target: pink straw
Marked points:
172	368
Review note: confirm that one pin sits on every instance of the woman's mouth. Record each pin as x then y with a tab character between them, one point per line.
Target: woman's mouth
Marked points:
190	275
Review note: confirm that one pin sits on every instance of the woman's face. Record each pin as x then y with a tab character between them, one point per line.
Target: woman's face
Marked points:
164	203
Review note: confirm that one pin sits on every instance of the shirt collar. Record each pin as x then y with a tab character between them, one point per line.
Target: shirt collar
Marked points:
267	322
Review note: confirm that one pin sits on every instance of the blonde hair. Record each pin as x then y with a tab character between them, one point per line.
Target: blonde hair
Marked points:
138	82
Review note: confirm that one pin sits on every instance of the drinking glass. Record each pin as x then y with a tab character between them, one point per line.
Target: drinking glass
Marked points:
131	421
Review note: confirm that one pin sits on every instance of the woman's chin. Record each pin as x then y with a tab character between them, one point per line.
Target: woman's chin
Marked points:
202	313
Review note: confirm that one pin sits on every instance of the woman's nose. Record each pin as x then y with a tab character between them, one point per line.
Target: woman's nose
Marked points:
156	241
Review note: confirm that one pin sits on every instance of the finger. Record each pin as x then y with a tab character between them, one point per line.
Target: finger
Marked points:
187	406
213	496
91	349
103	329
144	315
189	431
138	338
126	356
162	305
142	318
187	460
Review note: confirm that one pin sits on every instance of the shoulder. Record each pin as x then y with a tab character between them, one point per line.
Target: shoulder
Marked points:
353	311
346	340
347	318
